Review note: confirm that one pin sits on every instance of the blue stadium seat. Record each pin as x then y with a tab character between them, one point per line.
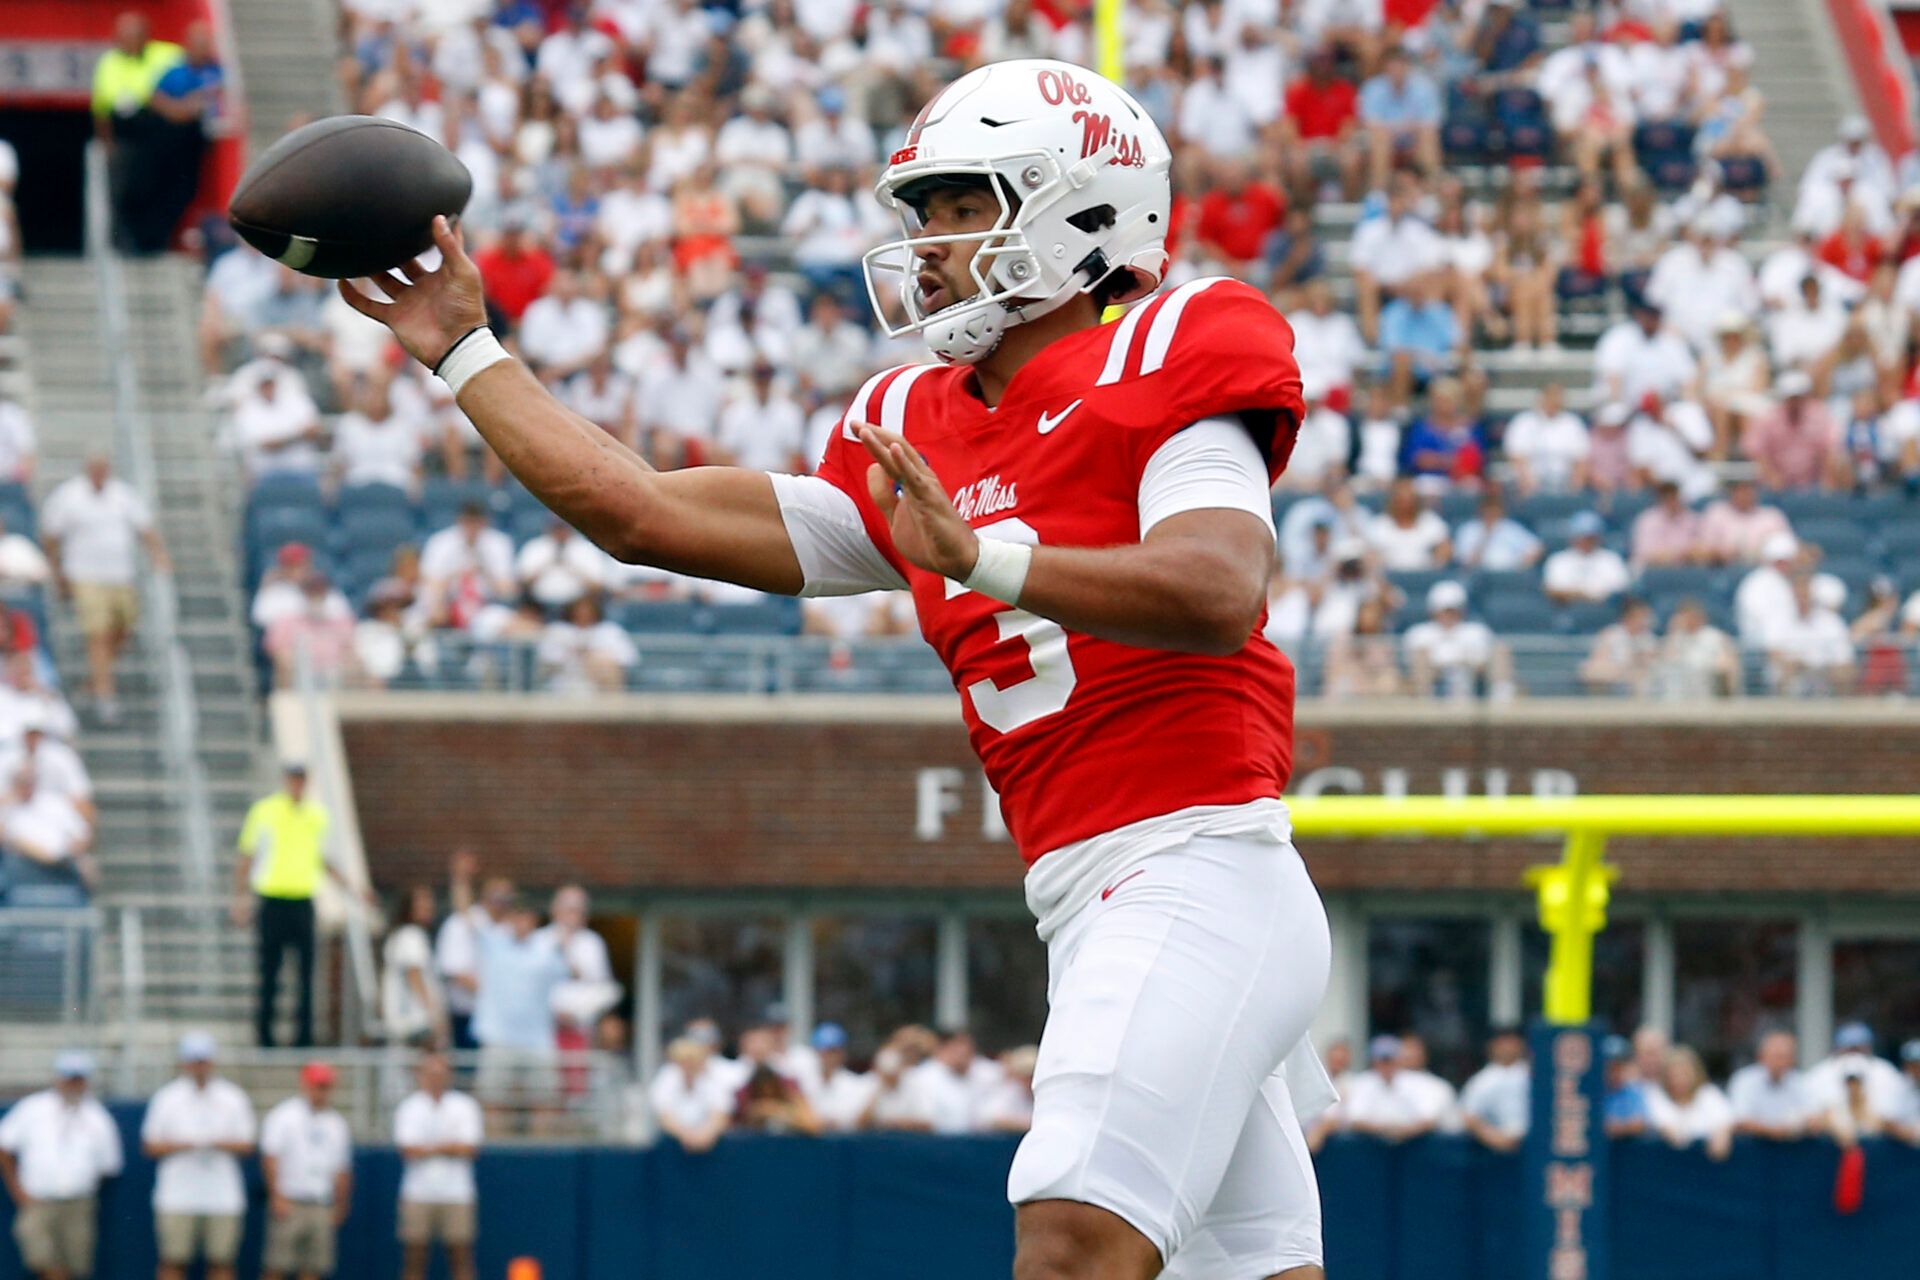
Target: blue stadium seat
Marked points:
1835	535
1900	540
1584	617
659	617
272	528
1856	572
281	489
356	500
375	527
16	508
1415	583
1515	582
1542	509
774	616
1512	613
1676	580
1800	505
1457	507
528	525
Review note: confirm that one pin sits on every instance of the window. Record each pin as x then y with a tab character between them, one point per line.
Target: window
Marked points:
1430	977
1006	982
729	968
1733	980
873	974
1619	969
1873	983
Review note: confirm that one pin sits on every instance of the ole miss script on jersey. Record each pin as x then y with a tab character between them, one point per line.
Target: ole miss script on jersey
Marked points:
1081	735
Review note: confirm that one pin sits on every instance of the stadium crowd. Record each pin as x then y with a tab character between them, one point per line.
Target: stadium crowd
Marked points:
670	206
1656	1089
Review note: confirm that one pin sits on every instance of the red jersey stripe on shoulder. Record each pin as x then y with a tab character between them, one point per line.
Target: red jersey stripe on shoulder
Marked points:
893	406
1160	335
857	410
1122	344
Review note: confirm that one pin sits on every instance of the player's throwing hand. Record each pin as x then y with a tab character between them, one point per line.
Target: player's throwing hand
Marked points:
431	310
926	528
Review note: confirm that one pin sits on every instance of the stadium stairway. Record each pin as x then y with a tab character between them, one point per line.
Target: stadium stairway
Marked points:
194	972
286	63
1798	65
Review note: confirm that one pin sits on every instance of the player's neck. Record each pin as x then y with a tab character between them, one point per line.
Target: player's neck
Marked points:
1025	341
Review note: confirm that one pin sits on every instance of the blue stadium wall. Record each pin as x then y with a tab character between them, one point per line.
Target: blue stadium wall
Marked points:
902	1207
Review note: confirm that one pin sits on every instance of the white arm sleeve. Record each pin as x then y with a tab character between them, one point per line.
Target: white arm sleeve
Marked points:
837	557
1212	464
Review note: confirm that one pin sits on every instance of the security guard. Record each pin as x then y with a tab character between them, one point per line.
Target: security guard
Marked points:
282	858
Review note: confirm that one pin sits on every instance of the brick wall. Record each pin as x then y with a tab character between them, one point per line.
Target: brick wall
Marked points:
849	794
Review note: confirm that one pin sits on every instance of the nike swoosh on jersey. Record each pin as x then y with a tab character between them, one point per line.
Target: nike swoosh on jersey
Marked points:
1049	423
1108	891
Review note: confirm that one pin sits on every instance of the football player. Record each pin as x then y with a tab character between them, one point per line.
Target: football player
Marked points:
1081	512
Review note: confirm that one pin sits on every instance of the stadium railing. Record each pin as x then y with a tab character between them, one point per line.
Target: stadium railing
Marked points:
50	957
1543	666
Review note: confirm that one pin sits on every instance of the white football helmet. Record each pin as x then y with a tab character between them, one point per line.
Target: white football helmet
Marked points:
1081	174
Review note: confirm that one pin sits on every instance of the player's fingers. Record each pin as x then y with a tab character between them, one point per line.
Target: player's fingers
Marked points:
413	271
880	488
362	303
877	446
452	243
394	286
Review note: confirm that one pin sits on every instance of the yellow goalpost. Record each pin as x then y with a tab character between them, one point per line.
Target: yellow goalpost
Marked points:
1573	893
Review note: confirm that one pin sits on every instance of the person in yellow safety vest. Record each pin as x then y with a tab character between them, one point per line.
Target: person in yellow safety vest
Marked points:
123	84
282	859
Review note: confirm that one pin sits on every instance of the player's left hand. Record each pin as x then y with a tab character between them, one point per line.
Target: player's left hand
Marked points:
926	528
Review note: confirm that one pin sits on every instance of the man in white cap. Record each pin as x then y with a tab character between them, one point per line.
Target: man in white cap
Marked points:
1450	654
1764	600
1853	1053
1585	569
1854	151
55	1148
1798	443
1640	354
1700	277
197	1127
1387	1102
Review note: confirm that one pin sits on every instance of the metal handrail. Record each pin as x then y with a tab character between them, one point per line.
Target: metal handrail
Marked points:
179	706
365	988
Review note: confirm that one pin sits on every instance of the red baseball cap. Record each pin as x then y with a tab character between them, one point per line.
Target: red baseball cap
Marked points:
294	554
316	1073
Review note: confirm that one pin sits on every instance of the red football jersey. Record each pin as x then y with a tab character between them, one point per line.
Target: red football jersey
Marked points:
1081	735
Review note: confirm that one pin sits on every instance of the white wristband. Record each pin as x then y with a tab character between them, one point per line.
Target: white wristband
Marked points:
1001	570
469	356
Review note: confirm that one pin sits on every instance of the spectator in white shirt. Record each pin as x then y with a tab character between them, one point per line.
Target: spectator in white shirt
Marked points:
456	948
578	1002
1547	445
18	447
1497	1102
56	1146
1327	344
692	1096
1406	536
679	403
438	1131
585	651
198	1126
57	767
465	566
1452	656
1691	1109
1386	1102
762	430
25	699
1639	355
1763	602
830	349
1008	1107
91	525
1320	449
1390	249
559	567
1810	650
276	424
1701	278
47	828
1881	1081
22	563
373	443
413	1003
563	330
306	1159
603	395
1770	1098
282	592
754	149
841	1095
1433	1093
1585	570
949	1084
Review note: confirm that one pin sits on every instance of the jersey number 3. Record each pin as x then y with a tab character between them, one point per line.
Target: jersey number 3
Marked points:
1051	684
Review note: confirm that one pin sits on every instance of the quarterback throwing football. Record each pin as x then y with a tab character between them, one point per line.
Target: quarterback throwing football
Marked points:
1081	512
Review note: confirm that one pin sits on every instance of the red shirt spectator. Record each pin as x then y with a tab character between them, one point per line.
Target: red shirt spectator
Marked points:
515	270
1853	255
1237	219
1323	110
